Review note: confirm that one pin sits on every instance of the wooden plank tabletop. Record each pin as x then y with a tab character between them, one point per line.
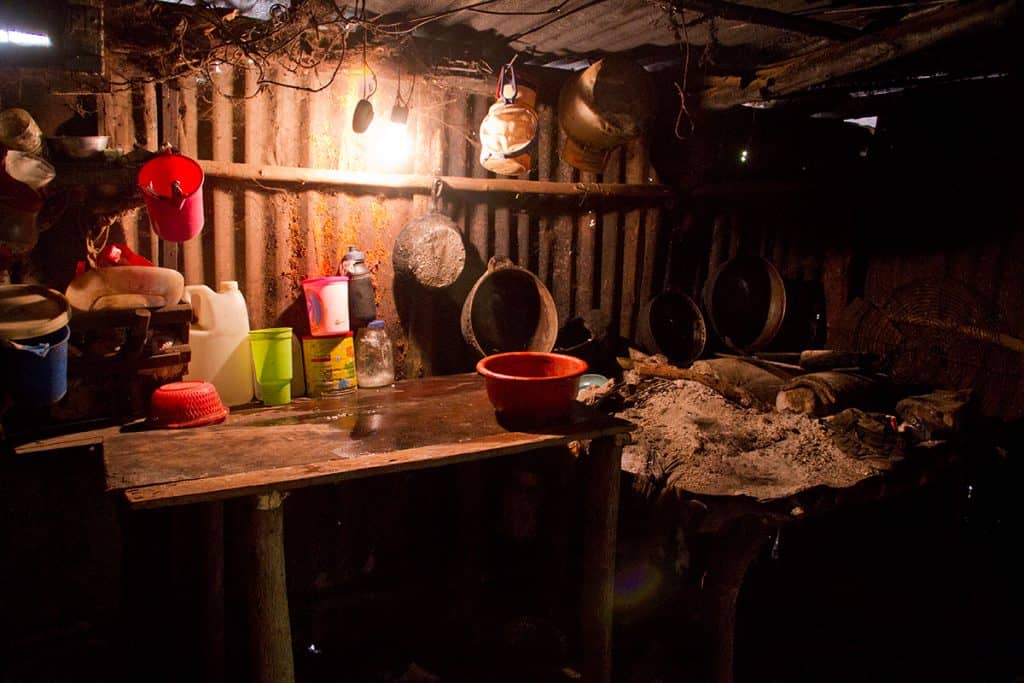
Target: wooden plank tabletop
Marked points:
412	425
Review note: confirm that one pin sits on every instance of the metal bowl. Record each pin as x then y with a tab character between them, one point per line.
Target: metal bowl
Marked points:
79	147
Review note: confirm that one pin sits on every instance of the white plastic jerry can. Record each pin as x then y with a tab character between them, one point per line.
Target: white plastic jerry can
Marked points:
220	341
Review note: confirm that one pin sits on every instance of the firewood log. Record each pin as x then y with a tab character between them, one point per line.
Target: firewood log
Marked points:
826	393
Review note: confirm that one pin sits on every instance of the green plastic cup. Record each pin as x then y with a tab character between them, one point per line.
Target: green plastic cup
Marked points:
272	359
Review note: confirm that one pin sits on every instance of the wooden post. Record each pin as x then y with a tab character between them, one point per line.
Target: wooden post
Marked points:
586	254
211	532
270	634
636	166
601	513
562	248
610	226
477	209
728	563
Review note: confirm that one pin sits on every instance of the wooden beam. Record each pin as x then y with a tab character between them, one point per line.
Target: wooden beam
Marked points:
258	173
920	30
769	17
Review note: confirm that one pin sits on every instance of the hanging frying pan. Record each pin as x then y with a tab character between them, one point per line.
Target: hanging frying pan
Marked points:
429	249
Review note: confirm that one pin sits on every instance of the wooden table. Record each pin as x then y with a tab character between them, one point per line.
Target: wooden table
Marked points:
261	453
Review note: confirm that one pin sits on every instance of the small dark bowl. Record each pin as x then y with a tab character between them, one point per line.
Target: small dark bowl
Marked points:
531	384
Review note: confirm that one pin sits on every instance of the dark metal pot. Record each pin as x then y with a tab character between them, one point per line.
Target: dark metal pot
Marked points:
509	309
746	302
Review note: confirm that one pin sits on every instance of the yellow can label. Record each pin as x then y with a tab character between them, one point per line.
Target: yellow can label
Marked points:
330	364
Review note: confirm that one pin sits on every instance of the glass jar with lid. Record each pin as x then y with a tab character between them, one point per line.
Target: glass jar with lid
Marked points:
375	359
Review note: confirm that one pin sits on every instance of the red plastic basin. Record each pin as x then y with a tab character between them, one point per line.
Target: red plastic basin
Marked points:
531	384
191	403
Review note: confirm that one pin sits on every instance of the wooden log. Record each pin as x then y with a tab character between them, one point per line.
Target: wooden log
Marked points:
409	181
562	248
117	122
148	243
827	359
769	17
610	223
270	635
601	515
651	223
918	31
547	162
636	165
826	393
726	389
586	256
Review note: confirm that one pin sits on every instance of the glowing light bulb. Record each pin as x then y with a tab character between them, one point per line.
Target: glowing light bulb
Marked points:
390	145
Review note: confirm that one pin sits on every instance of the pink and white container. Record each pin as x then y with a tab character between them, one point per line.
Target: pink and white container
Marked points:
327	304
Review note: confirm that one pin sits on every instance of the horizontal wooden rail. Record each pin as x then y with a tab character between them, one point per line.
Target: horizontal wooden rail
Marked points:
290	175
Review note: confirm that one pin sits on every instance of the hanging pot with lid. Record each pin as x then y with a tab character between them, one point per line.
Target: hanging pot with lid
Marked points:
429	249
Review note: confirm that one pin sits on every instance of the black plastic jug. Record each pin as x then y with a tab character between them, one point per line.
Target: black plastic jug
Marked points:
362	305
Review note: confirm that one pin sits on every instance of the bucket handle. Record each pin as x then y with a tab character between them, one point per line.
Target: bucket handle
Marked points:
507	76
41	350
435	195
497	263
176	191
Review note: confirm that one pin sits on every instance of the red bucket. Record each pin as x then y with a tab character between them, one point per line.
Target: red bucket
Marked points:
172	186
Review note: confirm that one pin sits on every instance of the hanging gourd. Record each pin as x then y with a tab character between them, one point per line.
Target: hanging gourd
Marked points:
510	127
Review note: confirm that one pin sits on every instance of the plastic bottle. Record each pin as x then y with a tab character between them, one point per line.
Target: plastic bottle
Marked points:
362	306
220	341
375	359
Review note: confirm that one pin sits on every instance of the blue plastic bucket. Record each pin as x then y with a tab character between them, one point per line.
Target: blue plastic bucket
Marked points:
36	370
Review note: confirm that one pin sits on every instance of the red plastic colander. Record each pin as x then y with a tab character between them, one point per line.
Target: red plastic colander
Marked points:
186	404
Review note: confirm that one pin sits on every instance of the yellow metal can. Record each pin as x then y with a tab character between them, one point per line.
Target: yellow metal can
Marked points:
330	364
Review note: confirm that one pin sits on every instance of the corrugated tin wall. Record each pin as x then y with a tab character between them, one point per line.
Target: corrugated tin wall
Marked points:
271	237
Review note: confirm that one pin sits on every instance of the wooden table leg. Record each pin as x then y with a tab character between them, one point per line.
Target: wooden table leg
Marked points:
729	560
266	595
211	530
600	524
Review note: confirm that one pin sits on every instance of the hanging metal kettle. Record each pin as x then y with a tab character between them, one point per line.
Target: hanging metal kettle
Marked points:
509	128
